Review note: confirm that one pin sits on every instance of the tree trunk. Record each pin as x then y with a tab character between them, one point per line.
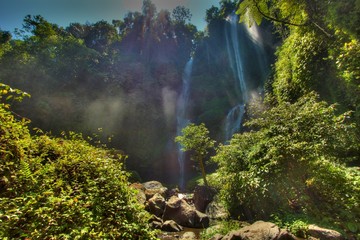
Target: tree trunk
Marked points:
202	171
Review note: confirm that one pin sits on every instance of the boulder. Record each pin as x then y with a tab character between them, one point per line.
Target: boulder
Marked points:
153	187
171	226
258	231
188	236
203	195
323	233
216	211
140	195
184	214
156	205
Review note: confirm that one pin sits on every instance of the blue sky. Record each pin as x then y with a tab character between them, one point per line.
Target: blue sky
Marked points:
64	12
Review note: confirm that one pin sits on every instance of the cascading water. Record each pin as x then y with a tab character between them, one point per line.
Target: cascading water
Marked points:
182	117
233	120
236	38
235	115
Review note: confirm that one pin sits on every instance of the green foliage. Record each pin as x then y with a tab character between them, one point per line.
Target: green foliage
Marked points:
320	48
9	95
63	188
345	15
295	223
196	138
181	14
5	37
221	228
300	62
279	12
292	161
250	11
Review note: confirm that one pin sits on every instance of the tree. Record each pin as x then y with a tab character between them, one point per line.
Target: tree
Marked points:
5	36
181	14
40	27
196	138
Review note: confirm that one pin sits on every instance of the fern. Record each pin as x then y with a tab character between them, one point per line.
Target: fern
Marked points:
25	171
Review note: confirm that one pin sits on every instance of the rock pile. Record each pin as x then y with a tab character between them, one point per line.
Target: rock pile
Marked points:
172	210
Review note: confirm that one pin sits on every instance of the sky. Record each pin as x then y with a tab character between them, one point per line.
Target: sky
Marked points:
64	12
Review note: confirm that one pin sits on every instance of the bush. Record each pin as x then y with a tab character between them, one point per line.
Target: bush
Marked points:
63	188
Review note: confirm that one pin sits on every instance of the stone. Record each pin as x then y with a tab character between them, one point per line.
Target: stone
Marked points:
156	205
171	226
216	211
258	231
184	214
323	233
153	187
188	236
203	195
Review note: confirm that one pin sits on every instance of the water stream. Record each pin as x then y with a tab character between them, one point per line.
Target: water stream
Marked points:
237	40
182	117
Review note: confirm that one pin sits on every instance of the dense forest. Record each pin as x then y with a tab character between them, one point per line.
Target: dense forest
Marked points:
276	83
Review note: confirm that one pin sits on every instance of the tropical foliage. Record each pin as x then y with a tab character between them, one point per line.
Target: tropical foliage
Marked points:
62	188
293	161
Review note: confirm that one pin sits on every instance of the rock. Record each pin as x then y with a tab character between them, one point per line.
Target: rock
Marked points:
138	185
156	225
171	226
285	235
216	211
323	233
188	236
152	184
184	214
258	231
201	220
203	195
140	195
156	222
172	192
153	187
156	205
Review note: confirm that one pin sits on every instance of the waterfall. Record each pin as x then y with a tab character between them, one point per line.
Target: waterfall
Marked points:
235	115
235	54
245	49
233	120
181	115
